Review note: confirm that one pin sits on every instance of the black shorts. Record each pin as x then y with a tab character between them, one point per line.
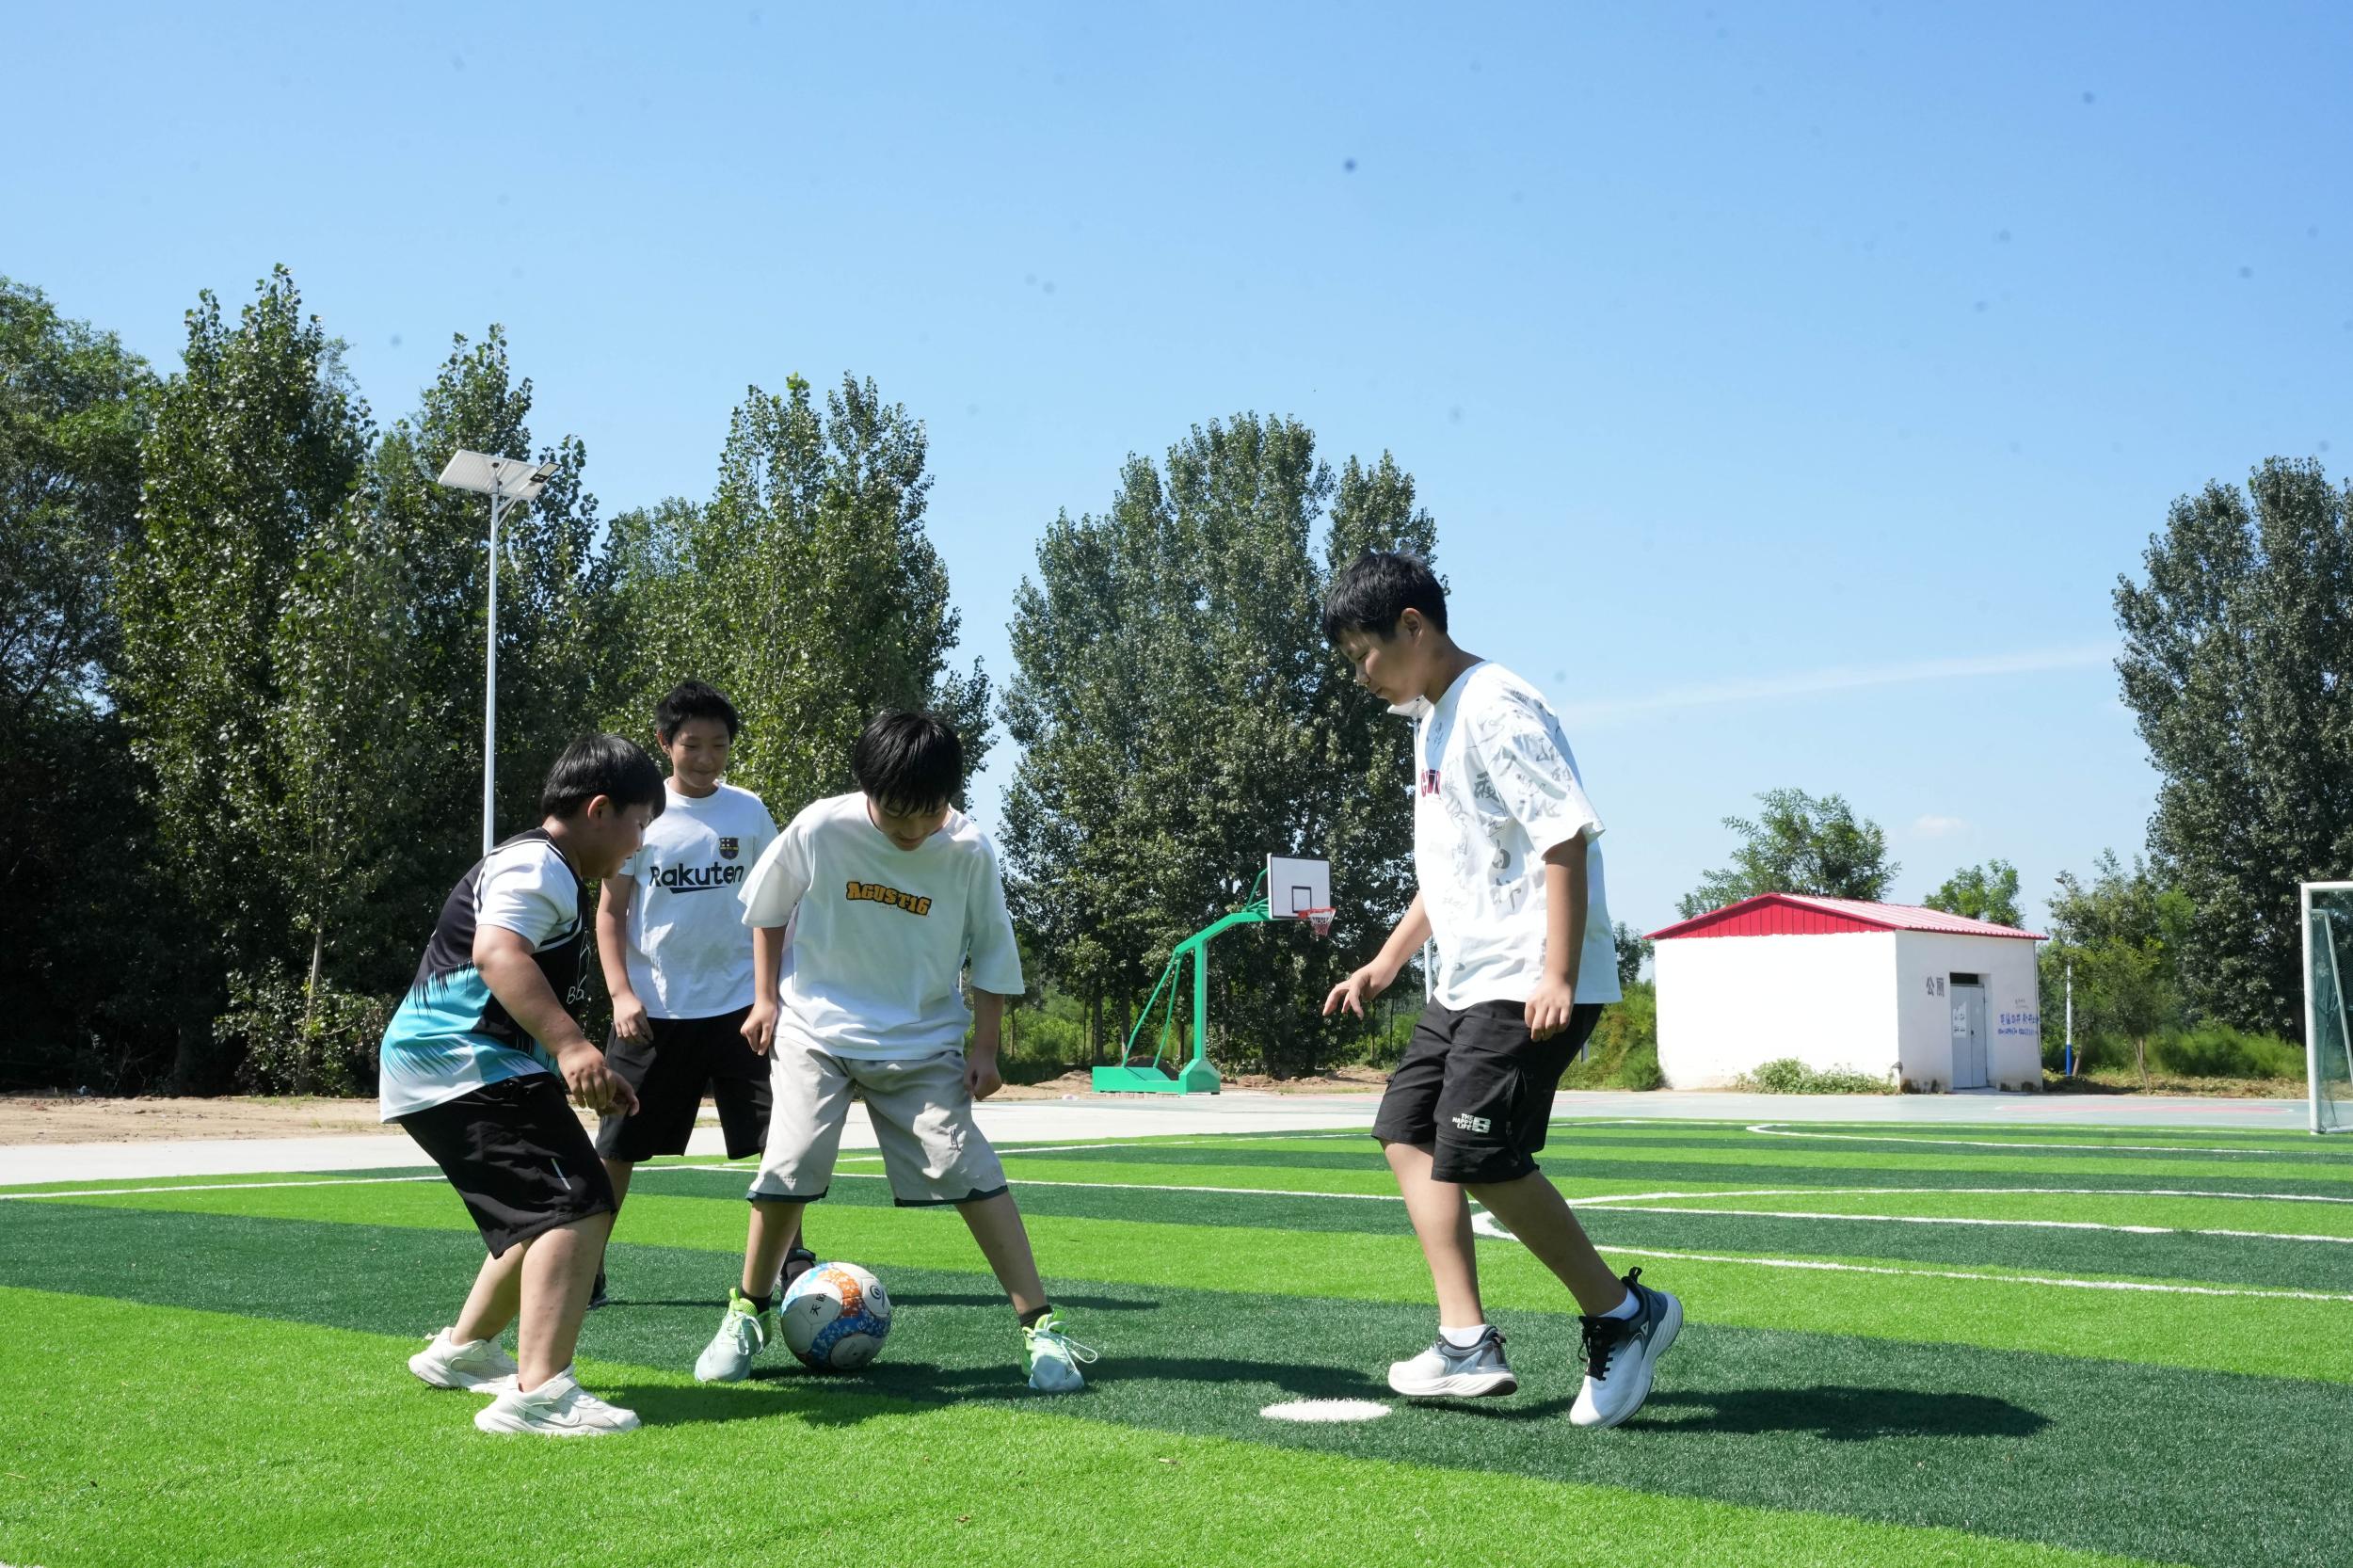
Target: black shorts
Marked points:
670	1073
1478	1088
517	1154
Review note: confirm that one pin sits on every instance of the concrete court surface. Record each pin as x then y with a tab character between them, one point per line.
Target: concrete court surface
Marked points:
1098	1118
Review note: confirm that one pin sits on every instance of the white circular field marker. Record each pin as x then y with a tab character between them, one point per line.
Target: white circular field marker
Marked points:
1326	1410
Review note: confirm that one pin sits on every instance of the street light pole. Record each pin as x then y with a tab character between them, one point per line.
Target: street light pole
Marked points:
507	481
490	687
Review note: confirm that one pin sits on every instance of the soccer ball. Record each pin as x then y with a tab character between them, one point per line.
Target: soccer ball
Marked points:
836	1318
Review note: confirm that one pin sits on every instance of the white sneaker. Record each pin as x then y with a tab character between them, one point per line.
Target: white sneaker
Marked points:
1451	1371
1053	1357
744	1331
481	1364
559	1407
1620	1354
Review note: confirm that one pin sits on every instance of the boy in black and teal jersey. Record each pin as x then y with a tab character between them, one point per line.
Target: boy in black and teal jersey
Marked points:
475	1065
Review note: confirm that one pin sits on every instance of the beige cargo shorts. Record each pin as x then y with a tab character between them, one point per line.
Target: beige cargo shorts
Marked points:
932	1149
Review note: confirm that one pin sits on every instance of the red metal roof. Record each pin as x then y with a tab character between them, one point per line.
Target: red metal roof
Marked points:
1805	915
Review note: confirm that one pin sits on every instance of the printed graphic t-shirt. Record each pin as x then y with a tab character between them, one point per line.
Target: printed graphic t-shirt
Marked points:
450	1035
1495	787
689	955
880	934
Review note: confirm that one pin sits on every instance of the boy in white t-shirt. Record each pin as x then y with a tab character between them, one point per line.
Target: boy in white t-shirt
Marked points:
678	961
890	893
1511	886
470	1068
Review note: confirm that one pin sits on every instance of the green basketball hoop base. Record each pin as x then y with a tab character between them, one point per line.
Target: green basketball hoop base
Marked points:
1304	894
1195	1078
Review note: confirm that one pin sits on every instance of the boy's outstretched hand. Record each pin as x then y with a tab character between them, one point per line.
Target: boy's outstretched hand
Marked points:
1360	987
594	1086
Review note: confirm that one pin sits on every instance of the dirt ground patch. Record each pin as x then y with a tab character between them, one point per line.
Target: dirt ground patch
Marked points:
94	1119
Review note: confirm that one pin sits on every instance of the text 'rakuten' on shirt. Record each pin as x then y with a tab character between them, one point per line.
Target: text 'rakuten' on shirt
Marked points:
881	935
689	955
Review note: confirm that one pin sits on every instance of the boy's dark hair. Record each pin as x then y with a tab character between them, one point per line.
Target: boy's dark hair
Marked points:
1376	589
595	765
692	700
909	762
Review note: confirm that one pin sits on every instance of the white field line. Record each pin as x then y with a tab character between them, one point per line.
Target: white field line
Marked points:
1156	1187
1963	1191
1952	1220
1486	1224
1482	1223
748	1162
1771	1130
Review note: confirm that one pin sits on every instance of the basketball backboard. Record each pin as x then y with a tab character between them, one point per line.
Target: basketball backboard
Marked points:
1294	884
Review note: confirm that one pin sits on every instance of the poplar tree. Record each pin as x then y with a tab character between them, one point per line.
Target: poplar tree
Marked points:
1181	717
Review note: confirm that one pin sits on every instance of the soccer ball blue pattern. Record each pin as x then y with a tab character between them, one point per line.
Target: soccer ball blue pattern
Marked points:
836	1318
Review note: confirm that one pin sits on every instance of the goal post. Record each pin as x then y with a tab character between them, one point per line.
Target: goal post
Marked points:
2327	919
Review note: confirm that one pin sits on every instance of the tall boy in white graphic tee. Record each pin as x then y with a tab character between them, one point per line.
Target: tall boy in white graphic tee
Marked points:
890	893
1511	888
677	959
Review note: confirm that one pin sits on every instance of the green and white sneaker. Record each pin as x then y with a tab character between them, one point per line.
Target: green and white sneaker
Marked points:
481	1365
1052	1358
559	1407
745	1331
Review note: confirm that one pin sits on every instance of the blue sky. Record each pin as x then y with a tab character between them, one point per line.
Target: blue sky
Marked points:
1790	383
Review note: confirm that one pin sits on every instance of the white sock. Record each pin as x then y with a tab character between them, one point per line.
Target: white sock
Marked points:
1626	1308
1463	1338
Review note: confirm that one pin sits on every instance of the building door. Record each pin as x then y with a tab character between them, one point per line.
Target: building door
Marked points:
1968	994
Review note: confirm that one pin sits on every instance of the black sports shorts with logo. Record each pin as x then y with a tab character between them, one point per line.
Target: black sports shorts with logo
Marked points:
518	1156
669	1073
1477	1087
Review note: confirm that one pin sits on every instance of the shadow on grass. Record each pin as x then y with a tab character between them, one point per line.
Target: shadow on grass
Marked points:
1842	1414
839	1400
1084	1303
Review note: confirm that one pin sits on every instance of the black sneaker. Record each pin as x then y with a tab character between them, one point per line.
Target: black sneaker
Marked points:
797	1262
597	1297
1620	1354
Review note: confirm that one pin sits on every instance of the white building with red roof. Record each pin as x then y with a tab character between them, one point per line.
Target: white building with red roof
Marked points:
1935	1001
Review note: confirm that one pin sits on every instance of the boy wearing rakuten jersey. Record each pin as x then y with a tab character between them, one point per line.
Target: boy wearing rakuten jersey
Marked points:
677	961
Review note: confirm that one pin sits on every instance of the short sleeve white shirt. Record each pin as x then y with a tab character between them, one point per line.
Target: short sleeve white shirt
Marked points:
689	955
1495	788
881	936
527	888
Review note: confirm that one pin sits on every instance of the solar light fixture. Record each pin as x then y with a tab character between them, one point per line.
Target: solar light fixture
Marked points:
508	482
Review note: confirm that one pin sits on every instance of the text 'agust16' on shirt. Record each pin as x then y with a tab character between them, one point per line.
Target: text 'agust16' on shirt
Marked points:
689	955
881	935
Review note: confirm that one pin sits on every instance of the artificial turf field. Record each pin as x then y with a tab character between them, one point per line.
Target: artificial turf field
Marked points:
1937	1345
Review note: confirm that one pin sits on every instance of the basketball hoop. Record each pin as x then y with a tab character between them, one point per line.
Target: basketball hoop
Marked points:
1319	922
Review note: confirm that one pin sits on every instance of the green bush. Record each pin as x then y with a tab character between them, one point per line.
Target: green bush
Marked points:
1639	1070
294	1045
2218	1051
1787	1075
1623	1050
2211	1051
